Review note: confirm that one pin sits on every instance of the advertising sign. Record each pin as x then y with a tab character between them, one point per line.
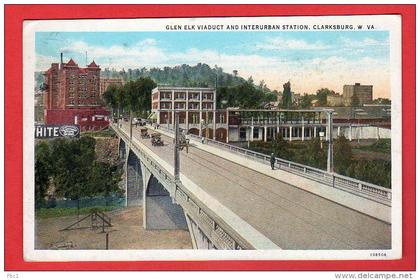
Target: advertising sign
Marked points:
57	131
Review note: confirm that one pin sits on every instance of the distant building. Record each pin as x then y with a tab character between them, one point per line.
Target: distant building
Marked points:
363	122
196	107
71	96
272	105
296	98
39	106
362	93
366	114
106	82
335	100
198	115
315	103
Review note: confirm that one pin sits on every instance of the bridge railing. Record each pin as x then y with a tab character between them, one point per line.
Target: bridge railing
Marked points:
355	186
214	228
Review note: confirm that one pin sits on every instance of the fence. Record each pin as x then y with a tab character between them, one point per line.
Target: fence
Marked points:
361	188
97	201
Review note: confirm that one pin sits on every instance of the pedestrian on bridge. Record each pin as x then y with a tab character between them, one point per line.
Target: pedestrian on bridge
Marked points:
272	161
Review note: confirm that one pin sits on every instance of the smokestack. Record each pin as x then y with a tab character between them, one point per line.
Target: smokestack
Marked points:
61	58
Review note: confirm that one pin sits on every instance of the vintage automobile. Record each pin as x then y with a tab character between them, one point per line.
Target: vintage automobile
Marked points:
144	134
139	122
156	139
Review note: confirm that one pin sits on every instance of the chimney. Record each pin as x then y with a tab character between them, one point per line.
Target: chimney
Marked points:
61	60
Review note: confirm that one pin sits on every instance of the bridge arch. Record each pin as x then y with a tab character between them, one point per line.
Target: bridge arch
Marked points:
134	180
159	211
122	149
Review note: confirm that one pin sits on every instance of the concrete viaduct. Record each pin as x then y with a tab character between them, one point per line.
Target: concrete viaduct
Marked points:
228	198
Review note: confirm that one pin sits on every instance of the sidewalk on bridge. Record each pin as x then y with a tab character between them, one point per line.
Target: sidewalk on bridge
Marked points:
244	229
360	204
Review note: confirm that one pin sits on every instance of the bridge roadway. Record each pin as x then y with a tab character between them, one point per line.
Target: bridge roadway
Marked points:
289	216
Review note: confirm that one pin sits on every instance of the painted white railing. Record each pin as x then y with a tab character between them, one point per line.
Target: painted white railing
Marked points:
221	234
358	187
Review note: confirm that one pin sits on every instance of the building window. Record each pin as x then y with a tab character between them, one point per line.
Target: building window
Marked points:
222	118
193	96
242	133
193	106
166	95
195	119
180	95
256	133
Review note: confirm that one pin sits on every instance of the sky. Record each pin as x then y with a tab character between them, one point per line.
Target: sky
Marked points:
309	60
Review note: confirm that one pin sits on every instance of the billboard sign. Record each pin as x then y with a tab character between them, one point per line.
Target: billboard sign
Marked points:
57	131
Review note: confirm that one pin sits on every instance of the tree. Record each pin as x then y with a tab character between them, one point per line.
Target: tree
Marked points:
104	179
110	97
342	155
138	96
245	95
306	101
250	80
373	171
314	155
121	100
71	166
287	96
42	172
281	148
145	87
321	95
72	161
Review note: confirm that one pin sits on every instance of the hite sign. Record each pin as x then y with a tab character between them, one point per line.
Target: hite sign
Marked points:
55	131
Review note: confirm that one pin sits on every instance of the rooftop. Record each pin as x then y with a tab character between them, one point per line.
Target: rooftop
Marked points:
158	88
363	112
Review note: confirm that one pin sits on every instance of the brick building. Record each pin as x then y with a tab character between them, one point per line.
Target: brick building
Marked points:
106	82
360	93
72	96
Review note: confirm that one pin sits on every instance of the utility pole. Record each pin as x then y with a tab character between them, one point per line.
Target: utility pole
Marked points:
207	124
176	149
330	160
131	125
180	143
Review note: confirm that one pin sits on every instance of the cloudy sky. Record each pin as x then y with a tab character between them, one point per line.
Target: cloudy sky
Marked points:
310	60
